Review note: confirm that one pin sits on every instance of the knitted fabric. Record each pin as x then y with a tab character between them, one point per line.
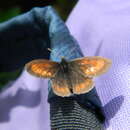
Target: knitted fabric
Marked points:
67	114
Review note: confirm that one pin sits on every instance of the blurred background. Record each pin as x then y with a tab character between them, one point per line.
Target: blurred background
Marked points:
11	8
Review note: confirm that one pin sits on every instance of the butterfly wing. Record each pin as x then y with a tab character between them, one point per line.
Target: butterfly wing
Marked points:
90	66
66	84
83	87
42	68
61	84
80	83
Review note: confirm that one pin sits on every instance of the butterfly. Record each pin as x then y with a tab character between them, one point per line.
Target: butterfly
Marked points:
70	77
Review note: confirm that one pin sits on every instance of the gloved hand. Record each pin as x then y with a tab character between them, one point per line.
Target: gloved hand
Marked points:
23	103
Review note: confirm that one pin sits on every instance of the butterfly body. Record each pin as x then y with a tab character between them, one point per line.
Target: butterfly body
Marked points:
64	72
64	65
69	77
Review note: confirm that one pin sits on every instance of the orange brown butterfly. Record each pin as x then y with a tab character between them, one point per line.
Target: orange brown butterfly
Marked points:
70	77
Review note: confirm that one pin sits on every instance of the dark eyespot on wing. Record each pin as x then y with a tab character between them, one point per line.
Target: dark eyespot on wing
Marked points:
91	66
42	68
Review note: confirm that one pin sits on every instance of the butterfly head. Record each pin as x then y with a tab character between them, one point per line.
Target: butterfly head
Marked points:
64	64
63	60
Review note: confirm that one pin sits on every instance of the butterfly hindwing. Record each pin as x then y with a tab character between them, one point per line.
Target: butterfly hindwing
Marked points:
91	66
83	87
42	68
61	84
66	84
80	83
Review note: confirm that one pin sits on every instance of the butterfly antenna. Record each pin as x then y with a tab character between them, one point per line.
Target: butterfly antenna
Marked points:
70	52
49	49
62	57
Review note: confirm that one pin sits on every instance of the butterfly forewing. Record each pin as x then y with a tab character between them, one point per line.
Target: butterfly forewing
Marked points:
42	68
91	66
